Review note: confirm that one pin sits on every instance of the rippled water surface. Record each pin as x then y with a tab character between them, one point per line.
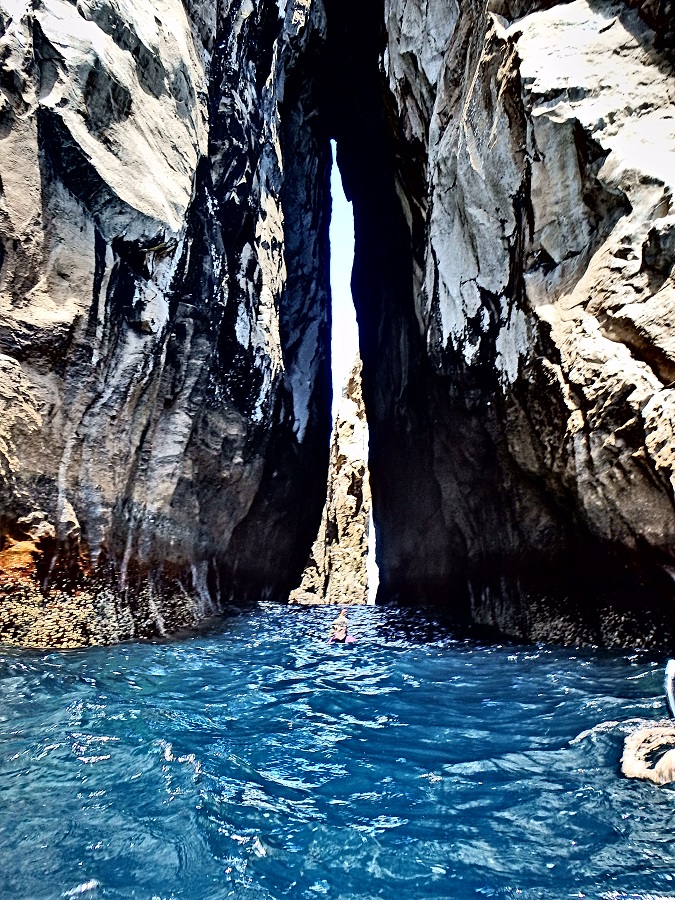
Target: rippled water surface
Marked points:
261	762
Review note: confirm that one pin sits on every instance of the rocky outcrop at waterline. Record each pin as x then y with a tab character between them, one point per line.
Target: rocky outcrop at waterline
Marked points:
337	570
649	753
164	304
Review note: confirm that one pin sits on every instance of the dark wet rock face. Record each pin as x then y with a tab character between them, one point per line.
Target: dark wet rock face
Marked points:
512	282
542	275
164	307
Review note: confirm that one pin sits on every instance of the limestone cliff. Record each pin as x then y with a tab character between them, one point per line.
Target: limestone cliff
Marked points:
164	384
544	140
514	284
337	571
164	306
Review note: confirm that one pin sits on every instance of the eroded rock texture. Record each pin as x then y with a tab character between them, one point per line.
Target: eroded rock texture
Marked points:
514	286
164	387
164	395
337	568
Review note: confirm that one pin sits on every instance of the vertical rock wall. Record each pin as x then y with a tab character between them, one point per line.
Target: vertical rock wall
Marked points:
534	154
159	403
415	548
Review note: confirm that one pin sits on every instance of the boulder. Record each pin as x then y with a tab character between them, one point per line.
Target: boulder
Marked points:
649	754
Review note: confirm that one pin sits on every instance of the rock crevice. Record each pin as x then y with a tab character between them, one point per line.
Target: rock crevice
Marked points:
337	570
165	306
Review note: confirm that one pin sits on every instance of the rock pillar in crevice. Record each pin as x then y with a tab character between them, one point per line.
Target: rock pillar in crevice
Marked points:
337	569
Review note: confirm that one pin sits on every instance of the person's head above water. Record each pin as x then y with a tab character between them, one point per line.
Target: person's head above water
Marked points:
340	626
339	631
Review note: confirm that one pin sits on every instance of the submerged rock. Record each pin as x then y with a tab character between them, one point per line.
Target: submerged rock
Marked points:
649	754
337	568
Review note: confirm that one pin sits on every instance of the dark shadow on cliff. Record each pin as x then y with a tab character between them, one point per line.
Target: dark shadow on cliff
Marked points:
414	543
292	492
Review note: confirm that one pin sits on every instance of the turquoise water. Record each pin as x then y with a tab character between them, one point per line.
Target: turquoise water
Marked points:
261	762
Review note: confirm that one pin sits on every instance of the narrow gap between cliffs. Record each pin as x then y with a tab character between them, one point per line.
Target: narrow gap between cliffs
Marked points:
384	177
344	332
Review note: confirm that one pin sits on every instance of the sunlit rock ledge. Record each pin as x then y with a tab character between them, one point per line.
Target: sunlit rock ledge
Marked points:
649	753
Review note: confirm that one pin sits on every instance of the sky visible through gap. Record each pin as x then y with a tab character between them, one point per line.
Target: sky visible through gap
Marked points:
345	340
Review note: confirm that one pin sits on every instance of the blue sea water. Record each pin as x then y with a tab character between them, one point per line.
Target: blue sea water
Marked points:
262	762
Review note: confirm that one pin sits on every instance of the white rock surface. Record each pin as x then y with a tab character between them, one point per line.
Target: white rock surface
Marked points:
337	571
649	754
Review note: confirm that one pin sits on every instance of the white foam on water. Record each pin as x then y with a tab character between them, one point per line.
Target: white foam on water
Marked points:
82	888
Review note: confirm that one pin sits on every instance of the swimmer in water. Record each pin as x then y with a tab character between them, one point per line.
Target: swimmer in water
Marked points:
338	630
